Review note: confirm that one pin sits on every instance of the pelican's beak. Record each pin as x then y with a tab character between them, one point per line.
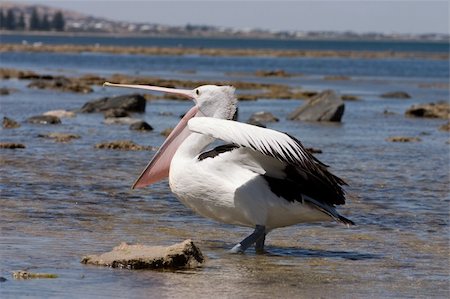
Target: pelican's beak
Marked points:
158	168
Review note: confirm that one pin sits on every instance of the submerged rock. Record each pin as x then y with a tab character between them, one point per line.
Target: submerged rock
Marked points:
272	73
166	132
396	95
44	120
120	120
4	91
325	106
60	83
9	123
403	139
350	97
60	113
182	255
60	137
141	126
31	275
11	145
124	145
432	110
262	117
445	127
129	103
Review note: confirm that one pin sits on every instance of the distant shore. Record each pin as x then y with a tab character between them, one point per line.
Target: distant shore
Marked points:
179	51
218	36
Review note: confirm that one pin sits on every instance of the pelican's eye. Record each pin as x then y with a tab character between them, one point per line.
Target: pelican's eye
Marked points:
197	92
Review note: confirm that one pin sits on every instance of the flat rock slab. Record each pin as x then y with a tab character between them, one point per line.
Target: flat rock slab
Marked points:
184	255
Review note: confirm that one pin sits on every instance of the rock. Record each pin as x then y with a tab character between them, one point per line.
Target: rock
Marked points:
256	123
349	97
403	139
432	110
262	117
445	127
120	121
12	73
125	145
141	126
165	113
60	113
9	123
247	97
44	119
325	106
396	95
387	112
30	275
2	279
166	132
91	79
116	112
60	83
272	73
179	256
129	103
60	137
10	145
4	91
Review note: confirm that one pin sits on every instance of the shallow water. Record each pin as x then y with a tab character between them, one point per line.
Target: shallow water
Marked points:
60	201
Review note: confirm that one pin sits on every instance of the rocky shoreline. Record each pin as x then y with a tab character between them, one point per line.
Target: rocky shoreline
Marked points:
178	51
322	106
84	83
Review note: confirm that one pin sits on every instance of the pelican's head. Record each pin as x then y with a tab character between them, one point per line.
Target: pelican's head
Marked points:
210	101
215	101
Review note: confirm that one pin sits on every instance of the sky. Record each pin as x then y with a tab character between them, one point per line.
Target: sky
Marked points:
359	16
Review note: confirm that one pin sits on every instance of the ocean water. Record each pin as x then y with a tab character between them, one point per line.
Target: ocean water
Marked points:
229	43
60	201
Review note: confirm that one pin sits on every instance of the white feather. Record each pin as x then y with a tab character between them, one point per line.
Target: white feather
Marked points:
267	141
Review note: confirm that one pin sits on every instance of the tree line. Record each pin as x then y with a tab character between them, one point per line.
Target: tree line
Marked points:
12	21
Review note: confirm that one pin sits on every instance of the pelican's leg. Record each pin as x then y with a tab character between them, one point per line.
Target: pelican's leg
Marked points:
259	245
258	234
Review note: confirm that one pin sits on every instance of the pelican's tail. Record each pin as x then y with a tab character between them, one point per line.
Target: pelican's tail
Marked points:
329	210
345	221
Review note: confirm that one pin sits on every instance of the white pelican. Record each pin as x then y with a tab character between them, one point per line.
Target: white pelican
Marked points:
259	178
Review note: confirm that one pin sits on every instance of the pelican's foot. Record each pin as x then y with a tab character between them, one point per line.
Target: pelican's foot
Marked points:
257	237
237	249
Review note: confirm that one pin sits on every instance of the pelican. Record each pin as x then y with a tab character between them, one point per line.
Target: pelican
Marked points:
259	178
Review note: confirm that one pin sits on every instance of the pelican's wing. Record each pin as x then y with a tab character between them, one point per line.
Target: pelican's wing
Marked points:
280	146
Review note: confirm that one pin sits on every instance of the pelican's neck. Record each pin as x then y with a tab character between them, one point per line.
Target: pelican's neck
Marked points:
193	145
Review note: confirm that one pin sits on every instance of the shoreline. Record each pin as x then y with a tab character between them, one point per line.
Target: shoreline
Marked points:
180	51
174	36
